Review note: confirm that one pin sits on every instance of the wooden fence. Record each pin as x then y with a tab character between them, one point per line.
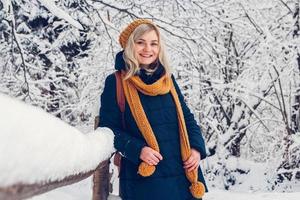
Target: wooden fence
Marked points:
101	181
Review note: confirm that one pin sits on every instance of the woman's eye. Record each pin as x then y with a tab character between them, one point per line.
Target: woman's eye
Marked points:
154	44
139	42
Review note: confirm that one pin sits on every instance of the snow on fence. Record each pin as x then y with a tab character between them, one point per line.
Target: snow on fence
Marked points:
39	152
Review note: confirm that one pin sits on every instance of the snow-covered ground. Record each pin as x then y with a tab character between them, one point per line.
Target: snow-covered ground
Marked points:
82	190
253	186
229	195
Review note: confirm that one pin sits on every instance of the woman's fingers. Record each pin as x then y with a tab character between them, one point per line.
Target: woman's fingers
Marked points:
193	161
189	160
194	167
150	156
154	159
157	155
190	164
151	160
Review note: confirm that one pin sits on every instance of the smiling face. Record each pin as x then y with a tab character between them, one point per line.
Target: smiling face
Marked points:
146	48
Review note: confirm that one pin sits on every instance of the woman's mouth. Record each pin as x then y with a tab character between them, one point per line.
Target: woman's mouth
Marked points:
145	56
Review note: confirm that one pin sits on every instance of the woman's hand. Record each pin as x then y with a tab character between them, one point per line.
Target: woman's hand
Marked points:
193	161
150	156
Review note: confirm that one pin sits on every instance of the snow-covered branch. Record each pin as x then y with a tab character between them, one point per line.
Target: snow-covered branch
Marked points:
50	5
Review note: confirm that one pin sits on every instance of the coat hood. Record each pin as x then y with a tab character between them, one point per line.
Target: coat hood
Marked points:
119	62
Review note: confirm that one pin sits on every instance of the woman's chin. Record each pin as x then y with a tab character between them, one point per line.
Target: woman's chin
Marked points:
146	61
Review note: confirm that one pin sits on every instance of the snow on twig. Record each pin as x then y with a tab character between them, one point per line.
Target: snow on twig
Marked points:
50	5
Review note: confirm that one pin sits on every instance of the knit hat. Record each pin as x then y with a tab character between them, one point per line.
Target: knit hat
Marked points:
123	38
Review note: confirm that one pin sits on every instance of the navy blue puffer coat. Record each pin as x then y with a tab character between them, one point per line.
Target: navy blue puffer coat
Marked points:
169	180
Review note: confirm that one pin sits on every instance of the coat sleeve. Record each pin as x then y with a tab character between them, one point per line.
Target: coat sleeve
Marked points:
110	116
194	131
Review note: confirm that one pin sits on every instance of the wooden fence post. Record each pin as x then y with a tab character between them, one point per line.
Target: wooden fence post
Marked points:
101	177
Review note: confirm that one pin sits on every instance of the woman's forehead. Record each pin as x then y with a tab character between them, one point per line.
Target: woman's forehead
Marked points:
149	35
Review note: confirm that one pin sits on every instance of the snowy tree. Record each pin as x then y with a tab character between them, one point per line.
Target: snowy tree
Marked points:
237	62
46	60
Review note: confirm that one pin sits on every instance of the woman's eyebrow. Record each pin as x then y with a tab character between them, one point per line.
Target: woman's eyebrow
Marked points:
145	40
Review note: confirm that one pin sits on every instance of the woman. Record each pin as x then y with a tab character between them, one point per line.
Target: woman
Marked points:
161	144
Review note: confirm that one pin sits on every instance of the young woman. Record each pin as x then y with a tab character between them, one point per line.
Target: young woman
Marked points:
161	143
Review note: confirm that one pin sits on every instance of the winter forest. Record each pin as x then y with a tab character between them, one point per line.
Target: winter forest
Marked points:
236	61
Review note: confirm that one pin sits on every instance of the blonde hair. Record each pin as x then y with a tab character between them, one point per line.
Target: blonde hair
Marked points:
129	56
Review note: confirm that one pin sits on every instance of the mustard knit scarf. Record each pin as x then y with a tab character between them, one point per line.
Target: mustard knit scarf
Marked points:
162	86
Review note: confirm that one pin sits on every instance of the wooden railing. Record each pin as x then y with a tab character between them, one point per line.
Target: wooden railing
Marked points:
23	191
101	180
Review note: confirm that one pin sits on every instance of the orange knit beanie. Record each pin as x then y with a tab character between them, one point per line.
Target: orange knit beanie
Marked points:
123	38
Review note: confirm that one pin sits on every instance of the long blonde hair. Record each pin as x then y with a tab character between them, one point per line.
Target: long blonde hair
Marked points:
131	61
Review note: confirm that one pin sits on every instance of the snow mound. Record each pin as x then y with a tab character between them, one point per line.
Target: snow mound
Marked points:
37	147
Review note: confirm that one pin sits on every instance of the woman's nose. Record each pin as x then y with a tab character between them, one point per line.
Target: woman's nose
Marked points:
147	47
